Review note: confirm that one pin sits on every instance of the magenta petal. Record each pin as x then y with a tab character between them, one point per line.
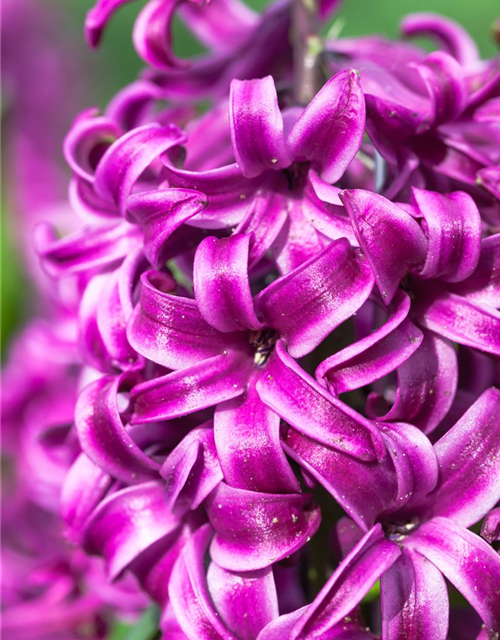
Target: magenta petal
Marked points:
376	355
222	24
127	158
330	130
247	435
84	487
98	17
391	239
297	240
414	599
257	126
160	213
103	436
414	460
461	320
468	455
85	249
347	629
308	303
169	329
229	194
448	33
490	529
254	530
88	132
290	392
363	489
189	595
200	386
468	562
454	234
222	286
93	349
246	602
443	77
350	582
489	178
191	470
153	35
128	522
264	219
483	286
427	384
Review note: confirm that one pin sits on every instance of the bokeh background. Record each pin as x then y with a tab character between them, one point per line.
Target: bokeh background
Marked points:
95	76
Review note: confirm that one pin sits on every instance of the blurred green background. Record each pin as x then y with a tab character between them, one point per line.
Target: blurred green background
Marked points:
116	63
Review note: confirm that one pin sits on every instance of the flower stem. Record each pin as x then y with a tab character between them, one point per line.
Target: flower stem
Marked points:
308	49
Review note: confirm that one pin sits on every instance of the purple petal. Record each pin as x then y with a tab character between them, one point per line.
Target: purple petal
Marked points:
169	329
102	434
365	490
86	249
128	157
468	562
97	18
414	460
222	286
460	320
189	595
89	205
264	219
454	233
254	530
374	356
427	383
350	582
160	213
246	602
297	240
323	208
247	435
414	599
257	126
443	77
468	454
84	487
91	344
351	628
128	522
307	304
330	130
154	566
131	105
191	470
489	178
488	112
221	24
483	286
89	133
291	393
448	33
202	385
229	194
390	238
490	529
153	35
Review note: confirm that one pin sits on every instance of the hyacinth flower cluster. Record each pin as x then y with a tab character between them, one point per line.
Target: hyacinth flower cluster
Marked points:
287	328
